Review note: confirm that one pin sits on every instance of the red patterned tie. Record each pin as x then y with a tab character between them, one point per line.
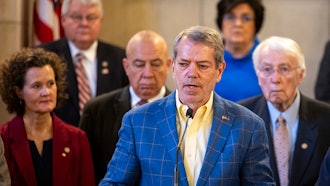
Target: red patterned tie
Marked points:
141	102
281	144
84	92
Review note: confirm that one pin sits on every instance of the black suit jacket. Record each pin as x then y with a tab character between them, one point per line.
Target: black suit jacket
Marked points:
322	86
116	78
313	130
101	120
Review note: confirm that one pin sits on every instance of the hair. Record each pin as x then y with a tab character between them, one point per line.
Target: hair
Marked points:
285	45
226	6
204	35
13	71
66	5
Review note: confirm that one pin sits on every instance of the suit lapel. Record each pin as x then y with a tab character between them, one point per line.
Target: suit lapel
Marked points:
122	105
104	68
305	143
61	152
70	73
168	131
220	130
21	151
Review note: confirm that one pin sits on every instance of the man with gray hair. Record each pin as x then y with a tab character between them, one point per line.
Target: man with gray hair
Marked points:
94	67
192	136
298	127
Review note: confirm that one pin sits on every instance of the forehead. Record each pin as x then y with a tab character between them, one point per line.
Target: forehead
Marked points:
146	50
192	50
36	73
277	58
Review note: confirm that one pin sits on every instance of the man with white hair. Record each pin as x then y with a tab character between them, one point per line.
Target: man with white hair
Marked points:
298	127
102	68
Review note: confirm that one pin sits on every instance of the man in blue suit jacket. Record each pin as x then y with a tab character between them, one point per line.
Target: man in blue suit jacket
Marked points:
280	67
229	147
146	65
82	22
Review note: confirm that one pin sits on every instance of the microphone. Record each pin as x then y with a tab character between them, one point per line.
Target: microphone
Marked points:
176	169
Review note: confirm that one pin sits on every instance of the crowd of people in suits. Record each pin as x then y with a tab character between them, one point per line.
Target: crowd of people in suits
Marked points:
116	122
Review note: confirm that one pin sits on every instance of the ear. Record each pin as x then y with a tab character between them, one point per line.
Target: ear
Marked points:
301	76
19	92
221	68
125	65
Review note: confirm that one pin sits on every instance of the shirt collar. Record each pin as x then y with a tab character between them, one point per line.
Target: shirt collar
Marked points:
135	99
182	109
89	54
290	115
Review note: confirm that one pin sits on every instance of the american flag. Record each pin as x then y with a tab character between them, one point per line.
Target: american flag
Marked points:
47	21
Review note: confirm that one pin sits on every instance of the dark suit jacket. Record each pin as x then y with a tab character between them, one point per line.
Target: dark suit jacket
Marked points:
236	154
322	86
116	78
73	167
313	129
101	120
324	178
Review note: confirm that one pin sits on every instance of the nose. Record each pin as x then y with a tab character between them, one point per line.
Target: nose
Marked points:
275	75
192	70
84	21
147	71
44	91
238	21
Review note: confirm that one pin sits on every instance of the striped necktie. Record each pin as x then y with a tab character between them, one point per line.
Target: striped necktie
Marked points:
281	144
84	93
141	102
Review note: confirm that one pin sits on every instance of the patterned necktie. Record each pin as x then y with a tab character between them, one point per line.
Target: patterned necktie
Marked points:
141	102
281	144
84	92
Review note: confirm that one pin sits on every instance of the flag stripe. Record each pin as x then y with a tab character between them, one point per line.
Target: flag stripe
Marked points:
47	25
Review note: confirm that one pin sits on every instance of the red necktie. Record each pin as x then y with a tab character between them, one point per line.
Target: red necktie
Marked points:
281	144
84	92
141	102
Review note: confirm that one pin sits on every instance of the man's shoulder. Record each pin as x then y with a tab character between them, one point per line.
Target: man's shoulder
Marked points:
110	46
252	101
105	98
54	45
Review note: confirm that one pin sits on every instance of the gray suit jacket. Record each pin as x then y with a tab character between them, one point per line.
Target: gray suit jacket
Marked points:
313	130
101	121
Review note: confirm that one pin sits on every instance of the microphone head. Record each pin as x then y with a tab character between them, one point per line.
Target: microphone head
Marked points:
189	113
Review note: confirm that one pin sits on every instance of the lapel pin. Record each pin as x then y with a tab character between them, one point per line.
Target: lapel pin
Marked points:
105	71
223	117
304	146
67	149
105	64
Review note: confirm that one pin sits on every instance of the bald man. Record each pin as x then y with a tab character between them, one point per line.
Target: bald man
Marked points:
146	65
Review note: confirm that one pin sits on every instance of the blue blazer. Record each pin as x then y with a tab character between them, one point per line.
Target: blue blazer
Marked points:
313	131
237	150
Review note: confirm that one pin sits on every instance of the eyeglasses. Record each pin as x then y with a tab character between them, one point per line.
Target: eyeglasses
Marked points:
283	70
89	18
244	18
